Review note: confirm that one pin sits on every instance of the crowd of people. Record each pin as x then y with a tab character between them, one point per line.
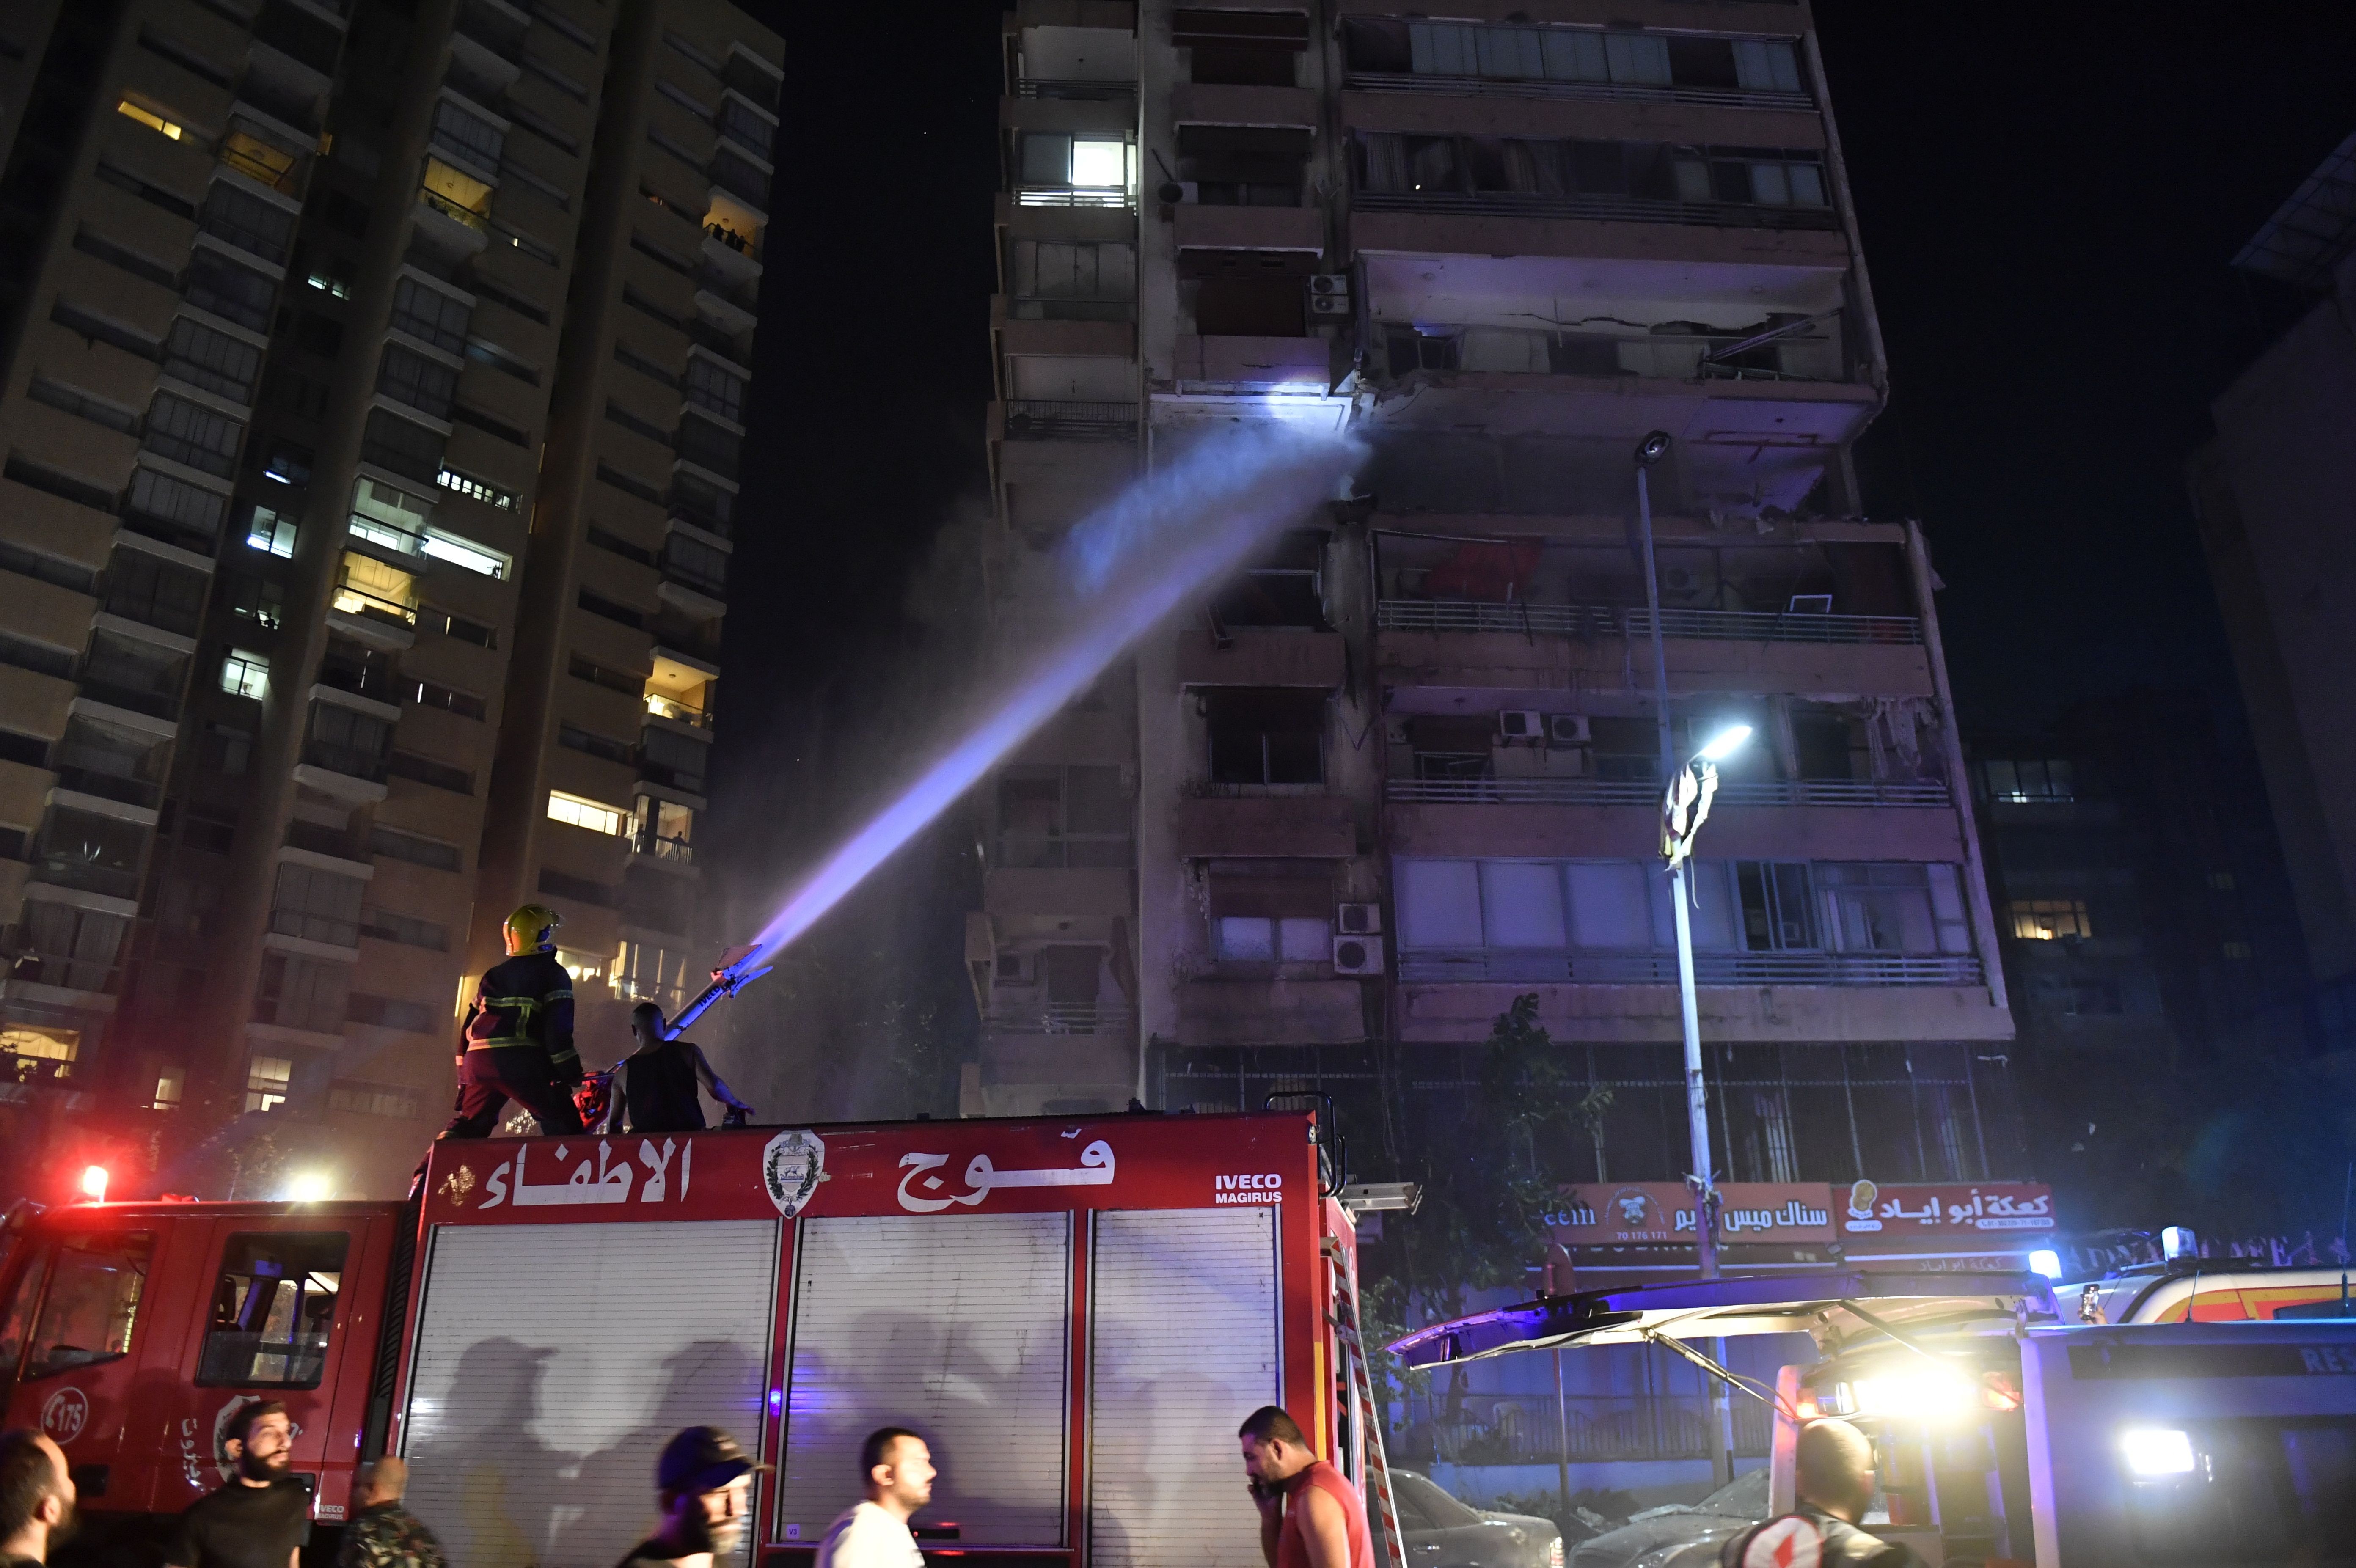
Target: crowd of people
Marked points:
1311	1516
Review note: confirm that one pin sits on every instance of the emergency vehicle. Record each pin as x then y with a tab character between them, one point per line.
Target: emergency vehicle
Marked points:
1077	1314
2002	1433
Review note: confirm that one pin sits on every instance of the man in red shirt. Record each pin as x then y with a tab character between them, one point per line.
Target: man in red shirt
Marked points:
1309	1516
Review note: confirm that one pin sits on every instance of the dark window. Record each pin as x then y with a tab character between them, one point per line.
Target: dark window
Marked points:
622	681
344	213
388	1012
467	136
160	594
96	328
1776	915
213	360
594	744
636	426
1266	736
244	219
710	386
556	884
393	442
449	700
220	285
426	770
272	1310
708	446
430	619
396	845
322	335
617	545
174	502
673	759
73	400
190	433
154	195
408	929
425	384
429	315
90	243
703	503
91	1306
1282	590
596	604
461	414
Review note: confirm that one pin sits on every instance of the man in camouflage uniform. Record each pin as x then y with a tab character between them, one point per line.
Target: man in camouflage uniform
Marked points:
381	1534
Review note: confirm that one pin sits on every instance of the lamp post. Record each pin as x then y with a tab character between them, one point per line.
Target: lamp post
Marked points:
1650	451
1678	848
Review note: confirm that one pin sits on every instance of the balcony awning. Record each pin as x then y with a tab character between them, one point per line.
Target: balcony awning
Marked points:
1727	1308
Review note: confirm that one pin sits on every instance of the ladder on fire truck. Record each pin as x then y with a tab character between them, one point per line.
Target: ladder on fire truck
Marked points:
1343	1282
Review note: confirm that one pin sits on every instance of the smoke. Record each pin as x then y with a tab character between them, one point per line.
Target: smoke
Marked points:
1129	566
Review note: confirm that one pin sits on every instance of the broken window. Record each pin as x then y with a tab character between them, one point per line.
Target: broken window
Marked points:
1283	589
1265	737
1059	816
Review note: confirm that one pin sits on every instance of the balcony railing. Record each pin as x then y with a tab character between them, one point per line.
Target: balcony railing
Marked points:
64	970
112	786
1709	968
1636	92
371	679
1071	196
1064	851
679	712
1608	208
354	601
1057	1017
327	928
1044	419
1640	792
1614	620
352	761
1075	91
646	841
452	210
733	240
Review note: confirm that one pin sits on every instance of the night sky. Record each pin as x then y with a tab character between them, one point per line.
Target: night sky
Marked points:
2049	200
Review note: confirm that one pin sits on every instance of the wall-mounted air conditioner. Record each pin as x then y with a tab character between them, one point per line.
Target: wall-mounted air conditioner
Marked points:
1357	955
1568	730
1524	724
1178	193
1395	731
1329	293
1358	920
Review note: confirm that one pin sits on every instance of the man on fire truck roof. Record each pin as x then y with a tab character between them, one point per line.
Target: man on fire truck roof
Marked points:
36	1497
518	1040
1309	1516
1834	1486
258	1517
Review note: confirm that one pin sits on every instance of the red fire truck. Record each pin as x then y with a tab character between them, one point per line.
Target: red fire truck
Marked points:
1077	1314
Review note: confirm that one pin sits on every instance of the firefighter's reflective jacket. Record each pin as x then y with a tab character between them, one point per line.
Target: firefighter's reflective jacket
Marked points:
526	1000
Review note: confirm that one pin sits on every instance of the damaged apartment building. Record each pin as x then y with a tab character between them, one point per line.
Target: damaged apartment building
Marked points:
1404	768
374	372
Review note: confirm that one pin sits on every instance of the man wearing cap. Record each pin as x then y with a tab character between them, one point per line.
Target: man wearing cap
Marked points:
897	1469
704	1485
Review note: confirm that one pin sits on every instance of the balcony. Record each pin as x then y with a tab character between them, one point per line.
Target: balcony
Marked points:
1058	1017
1102	197
1587	621
130	791
1599	208
364	763
1617	92
1063	852
662	707
1497	965
1075	91
1051	418
1306	826
677	851
1637	792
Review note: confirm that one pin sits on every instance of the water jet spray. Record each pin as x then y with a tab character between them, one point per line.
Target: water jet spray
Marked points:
1129	566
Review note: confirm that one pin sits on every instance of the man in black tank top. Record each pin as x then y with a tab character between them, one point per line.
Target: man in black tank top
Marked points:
654	1086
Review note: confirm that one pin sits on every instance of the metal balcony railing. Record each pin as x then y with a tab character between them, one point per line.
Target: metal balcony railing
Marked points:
679	712
730	238
1079	91
1064	851
1615	621
647	842
452	210
110	786
1709	968
1524	87
1058	1017
1608	209
331	929
354	601
1045	418
1071	196
1640	792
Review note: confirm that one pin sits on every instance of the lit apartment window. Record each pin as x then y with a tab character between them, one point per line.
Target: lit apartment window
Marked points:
582	811
586	968
245	674
267	1080
463	554
152	120
170	1084
271	533
1069	171
476	489
2039	780
2048	919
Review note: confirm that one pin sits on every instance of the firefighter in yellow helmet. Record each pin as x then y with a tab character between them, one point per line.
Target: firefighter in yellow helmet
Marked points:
518	1040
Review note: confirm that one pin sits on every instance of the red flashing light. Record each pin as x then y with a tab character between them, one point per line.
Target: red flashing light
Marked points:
93	1183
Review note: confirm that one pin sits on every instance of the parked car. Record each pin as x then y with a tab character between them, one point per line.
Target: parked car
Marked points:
1443	1532
1657	1535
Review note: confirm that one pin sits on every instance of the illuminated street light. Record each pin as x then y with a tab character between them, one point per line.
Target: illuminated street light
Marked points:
1723	744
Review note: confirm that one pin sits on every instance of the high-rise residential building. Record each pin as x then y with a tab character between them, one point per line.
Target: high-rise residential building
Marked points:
375	372
2271	492
1404	768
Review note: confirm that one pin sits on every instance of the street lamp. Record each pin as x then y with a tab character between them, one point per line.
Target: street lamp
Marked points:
1681	818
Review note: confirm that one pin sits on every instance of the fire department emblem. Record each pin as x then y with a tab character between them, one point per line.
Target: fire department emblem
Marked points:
64	1416
791	1167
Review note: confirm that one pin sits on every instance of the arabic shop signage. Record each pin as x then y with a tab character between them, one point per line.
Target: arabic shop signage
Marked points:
1661	1214
1985	1216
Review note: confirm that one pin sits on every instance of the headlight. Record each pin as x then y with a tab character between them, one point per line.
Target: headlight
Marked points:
1928	1394
2157	1451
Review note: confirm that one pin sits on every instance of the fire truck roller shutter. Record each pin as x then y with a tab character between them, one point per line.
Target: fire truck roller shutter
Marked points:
552	1363
954	1325
1184	1346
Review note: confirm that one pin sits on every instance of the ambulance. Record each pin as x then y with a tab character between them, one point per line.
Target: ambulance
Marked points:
1076	1313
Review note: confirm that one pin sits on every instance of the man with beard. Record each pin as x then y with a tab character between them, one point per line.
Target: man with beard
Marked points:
703	1484
36	1497
898	1470
259	1516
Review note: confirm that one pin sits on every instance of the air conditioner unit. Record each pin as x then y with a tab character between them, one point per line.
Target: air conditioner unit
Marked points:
1679	580
1178	193
1014	967
1358	920
1329	282
1329	293
1521	724
1568	730
1357	955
